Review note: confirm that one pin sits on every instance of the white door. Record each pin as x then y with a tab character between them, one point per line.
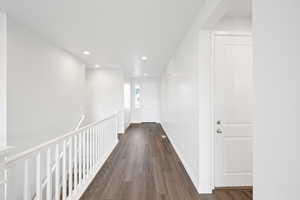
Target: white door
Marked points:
146	100
150	100
233	107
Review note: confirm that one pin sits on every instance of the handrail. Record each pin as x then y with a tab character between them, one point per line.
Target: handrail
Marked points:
28	152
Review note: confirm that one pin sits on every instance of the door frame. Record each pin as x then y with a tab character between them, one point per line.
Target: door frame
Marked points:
214	34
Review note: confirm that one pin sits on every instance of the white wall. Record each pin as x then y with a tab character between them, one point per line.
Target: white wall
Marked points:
104	93
149	110
3	104
45	88
235	24
127	111
180	104
186	92
186	108
205	112
276	32
45	95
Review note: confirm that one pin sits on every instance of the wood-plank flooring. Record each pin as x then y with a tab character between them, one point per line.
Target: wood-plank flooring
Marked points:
144	166
228	194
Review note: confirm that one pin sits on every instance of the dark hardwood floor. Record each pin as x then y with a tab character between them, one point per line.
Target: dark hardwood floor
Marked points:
228	194
144	166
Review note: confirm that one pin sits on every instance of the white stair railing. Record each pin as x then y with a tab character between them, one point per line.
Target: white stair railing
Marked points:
53	167
4	152
61	168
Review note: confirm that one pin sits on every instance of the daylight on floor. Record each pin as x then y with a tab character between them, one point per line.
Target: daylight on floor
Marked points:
149	99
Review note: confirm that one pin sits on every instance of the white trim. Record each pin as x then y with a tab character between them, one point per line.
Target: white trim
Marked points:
212	109
231	33
184	163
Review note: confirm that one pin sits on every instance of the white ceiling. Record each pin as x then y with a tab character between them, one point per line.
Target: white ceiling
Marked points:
117	32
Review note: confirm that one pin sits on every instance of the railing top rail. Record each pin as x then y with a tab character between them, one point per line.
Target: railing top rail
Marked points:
37	148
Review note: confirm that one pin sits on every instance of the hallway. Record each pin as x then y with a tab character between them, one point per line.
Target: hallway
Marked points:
144	166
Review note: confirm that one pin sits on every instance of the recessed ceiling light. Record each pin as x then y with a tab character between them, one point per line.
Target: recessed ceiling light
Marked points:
97	66
144	58
86	53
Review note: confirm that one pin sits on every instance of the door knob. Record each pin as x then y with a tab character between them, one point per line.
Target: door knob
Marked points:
219	131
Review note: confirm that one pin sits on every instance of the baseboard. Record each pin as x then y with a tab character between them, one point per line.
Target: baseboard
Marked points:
207	190
187	169
235	188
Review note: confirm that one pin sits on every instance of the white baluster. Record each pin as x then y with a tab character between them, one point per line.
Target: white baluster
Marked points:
38	176
70	167
84	154
91	150
95	148
94	145
100	146
64	172
95	137
5	184
102	142
49	196
97	144
88	151
57	168
92	140
26	195
80	158
75	162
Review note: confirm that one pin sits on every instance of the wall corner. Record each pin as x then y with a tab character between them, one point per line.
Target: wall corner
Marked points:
3	79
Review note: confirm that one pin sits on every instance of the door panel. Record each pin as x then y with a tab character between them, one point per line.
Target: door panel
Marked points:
233	102
237	152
